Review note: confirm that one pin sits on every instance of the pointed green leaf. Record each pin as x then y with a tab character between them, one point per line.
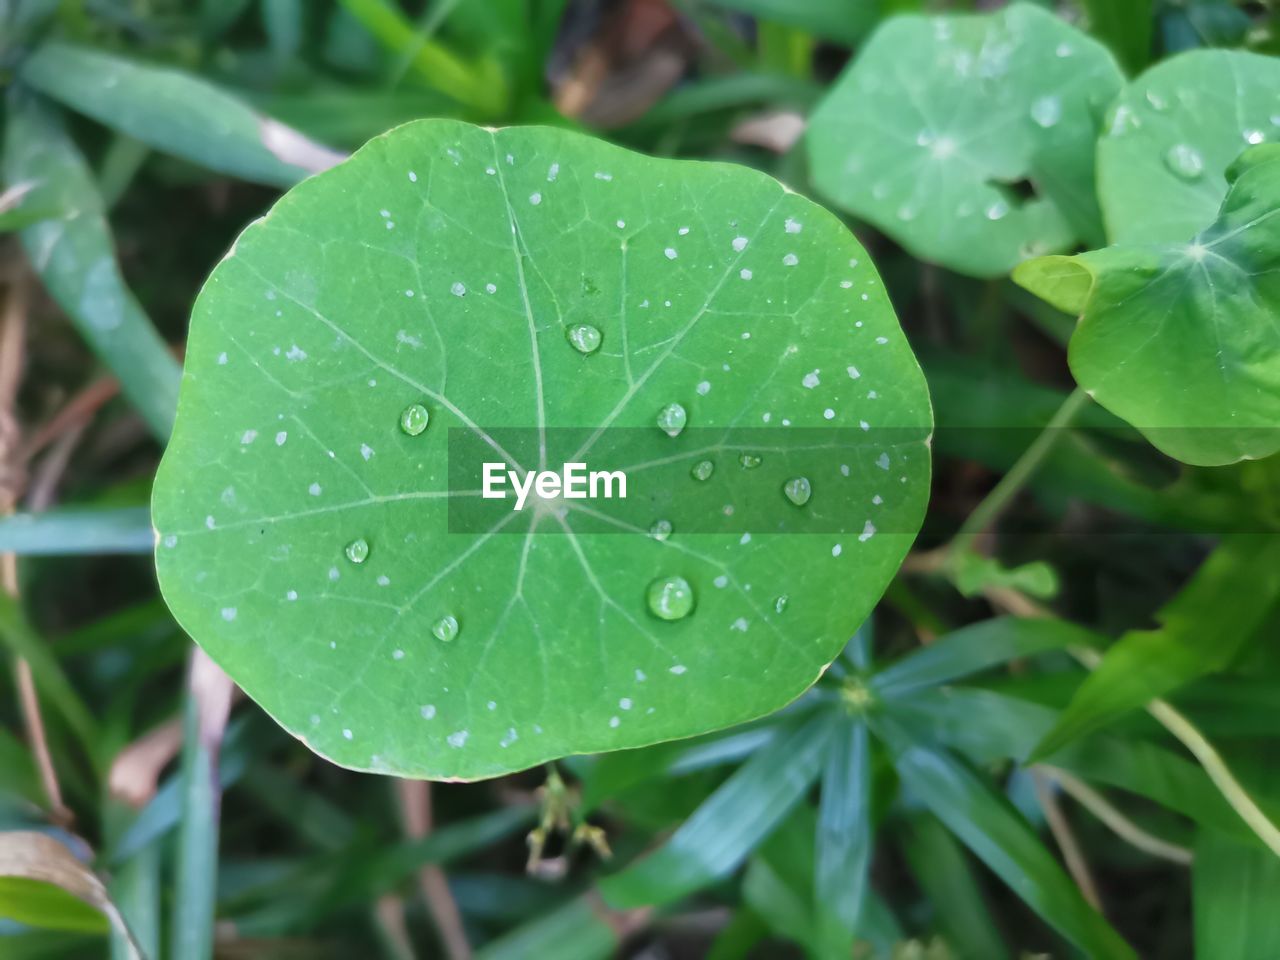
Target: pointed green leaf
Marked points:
538	288
844	838
1235	890
1201	631
977	647
731	823
1171	136
987	824
77	530
75	259
938	120
1180	339
175	112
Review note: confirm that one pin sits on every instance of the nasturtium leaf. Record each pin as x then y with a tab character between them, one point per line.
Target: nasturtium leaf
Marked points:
1171	136
1181	339
934	130
446	266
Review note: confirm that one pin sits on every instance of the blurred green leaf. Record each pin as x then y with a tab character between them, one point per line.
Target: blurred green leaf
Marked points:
75	259
844	21
576	931
977	647
50	679
731	823
76	530
986	823
1126	27
176	113
1201	630
1235	892
45	906
844	838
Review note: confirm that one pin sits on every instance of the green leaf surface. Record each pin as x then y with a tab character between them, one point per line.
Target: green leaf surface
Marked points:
986	823
175	112
1202	630
1180	339
844	21
931	130
1235	890
1172	134
73	531
75	258
974	648
1125	26
732	822
707	285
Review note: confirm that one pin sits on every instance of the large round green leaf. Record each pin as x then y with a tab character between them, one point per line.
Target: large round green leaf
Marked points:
324	555
1172	134
935	130
1183	340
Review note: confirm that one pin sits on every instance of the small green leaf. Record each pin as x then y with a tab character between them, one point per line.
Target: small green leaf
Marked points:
986	823
176	113
732	822
1235	890
75	258
933	127
1180	339
443	266
1201	630
974	648
1171	136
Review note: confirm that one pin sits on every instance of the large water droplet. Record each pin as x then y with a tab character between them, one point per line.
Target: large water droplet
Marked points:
749	461
584	337
446	628
357	551
670	598
780	603
997	210
671	419
798	490
1047	111
414	419
702	470
660	529
1184	161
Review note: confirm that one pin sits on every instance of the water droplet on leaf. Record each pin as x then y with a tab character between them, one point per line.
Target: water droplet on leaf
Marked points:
1184	161
749	461
660	529
670	598
446	628
798	490
1046	111
671	419
702	470
357	551
584	338
414	419
780	603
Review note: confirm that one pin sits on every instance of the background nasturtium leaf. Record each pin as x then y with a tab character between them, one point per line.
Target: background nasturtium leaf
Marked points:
453	267
1171	135
1182	339
934	131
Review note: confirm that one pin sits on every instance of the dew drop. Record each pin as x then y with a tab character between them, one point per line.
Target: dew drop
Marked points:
446	628
1047	111
670	598
584	338
702	470
798	490
780	604
671	419
357	550
1184	161
749	461
414	419
997	210
660	529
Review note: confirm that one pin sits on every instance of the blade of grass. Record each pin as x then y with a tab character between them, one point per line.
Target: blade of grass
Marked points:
78	531
844	837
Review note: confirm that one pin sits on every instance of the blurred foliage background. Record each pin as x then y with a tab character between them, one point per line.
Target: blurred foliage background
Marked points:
140	128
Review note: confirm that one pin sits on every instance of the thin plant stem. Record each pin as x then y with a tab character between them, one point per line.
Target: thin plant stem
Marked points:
1077	865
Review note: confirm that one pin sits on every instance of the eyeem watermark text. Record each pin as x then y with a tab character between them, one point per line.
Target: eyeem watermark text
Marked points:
572	482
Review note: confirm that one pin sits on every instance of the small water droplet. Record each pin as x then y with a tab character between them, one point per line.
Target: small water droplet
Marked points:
798	490
749	461
997	210
1184	161
414	419
660	529
671	419
780	603
1254	137
357	550
702	470
1047	111
584	337
446	628
670	598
